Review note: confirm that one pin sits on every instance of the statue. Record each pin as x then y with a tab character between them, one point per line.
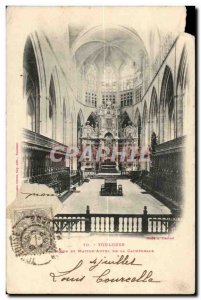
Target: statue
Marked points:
130	131
88	131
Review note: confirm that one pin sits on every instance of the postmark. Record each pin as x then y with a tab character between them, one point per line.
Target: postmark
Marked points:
33	235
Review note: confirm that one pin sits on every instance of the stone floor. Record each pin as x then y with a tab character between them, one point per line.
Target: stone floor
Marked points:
132	202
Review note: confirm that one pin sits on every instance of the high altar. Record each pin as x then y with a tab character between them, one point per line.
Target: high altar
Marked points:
108	134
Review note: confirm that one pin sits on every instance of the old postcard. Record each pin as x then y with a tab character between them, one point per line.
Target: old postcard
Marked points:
100	151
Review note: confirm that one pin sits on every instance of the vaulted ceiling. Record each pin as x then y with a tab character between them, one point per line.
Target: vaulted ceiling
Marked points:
107	45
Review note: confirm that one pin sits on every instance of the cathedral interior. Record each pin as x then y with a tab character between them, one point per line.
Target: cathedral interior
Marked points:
109	90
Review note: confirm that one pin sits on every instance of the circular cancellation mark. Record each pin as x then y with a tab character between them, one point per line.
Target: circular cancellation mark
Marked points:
33	235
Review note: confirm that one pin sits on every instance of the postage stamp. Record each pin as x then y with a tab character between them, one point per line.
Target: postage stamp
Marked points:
33	235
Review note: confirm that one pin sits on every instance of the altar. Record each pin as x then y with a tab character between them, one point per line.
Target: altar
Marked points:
110	188
108	132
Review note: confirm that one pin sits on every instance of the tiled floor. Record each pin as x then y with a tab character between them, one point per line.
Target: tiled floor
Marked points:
133	200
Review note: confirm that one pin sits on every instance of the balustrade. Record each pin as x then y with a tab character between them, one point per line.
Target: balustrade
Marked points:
115	223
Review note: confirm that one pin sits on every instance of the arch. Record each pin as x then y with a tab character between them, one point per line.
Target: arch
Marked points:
81	116
55	75
145	125
92	120
108	135
153	114
155	48
181	92
80	123
127	70
109	79
137	120
91	71
55	106
31	87
30	110
181	76
52	108
167	113
125	120
126	76
91	79
108	139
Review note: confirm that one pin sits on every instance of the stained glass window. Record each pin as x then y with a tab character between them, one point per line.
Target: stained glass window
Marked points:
127	75
109	80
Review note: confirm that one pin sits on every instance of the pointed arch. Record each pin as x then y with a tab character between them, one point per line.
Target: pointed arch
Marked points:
137	121
52	108
145	125
153	113
109	79
91	78
167	112
81	117
125	120
55	75
31	87
126	76
55	105
92	119
181	76
182	92
137	118
80	123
